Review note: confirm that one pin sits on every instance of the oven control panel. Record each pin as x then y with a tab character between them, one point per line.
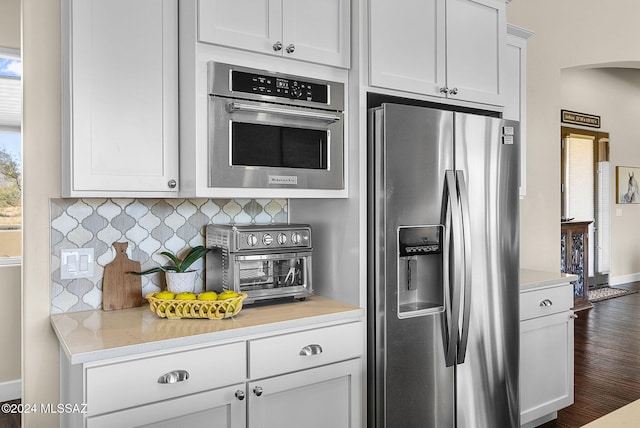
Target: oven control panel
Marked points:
277	86
278	239
240	238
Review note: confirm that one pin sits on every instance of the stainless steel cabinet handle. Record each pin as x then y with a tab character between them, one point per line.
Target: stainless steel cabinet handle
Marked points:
174	377
172	184
453	91
311	350
240	394
444	90
546	302
291	49
257	390
277	46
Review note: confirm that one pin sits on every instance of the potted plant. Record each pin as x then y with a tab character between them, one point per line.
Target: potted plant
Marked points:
179	277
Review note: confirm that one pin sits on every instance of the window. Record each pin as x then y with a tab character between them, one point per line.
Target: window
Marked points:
10	156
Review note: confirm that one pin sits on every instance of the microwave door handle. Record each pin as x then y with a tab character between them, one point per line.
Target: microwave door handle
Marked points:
325	117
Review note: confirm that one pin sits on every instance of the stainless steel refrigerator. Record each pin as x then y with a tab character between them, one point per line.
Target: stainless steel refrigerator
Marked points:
443	269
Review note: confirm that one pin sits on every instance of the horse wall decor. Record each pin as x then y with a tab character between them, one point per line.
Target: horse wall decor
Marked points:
627	187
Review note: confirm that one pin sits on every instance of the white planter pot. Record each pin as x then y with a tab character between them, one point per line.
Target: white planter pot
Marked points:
178	282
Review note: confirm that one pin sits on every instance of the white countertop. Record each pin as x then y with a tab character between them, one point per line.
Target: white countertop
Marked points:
536	279
95	335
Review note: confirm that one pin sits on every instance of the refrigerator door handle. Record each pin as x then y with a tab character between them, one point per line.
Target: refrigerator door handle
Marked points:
452	288
466	232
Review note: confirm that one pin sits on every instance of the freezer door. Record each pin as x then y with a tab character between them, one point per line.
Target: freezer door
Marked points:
487	165
411	384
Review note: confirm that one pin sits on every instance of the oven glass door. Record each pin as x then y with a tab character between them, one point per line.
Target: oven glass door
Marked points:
253	144
273	274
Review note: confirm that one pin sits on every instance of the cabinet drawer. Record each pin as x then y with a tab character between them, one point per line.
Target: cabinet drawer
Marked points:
546	301
131	383
310	348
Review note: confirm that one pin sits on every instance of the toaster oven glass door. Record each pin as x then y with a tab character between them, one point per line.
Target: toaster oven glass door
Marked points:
273	274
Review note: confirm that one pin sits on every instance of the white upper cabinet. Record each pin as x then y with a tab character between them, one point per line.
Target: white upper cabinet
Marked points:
308	30
120	95
443	48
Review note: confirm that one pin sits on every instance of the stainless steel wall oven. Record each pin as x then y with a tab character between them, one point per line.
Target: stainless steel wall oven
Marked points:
272	130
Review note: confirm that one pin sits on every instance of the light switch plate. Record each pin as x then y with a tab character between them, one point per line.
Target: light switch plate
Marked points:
76	263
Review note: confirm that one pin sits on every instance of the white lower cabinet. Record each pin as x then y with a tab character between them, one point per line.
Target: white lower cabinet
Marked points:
546	353
311	377
327	396
217	408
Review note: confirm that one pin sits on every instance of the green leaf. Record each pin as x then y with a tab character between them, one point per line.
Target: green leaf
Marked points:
192	257
174	259
148	271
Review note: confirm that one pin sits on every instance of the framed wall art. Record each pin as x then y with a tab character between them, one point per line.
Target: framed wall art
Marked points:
627	189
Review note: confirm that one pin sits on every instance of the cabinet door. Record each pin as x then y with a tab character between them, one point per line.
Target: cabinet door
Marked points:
328	396
546	365
217	408
407	45
317	31
254	25
476	40
123	98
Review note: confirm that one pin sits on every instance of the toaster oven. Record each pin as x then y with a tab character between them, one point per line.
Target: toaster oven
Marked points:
265	261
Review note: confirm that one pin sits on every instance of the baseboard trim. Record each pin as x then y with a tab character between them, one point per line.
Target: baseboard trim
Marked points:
11	390
623	279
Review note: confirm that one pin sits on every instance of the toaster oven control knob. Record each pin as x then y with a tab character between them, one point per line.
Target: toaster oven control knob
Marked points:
282	238
252	240
267	239
296	238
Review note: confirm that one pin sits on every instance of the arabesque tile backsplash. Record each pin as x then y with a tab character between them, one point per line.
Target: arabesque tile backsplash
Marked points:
149	226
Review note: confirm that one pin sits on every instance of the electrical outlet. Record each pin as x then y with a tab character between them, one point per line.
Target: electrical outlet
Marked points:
76	263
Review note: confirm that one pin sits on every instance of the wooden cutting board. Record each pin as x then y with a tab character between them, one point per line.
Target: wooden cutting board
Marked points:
120	289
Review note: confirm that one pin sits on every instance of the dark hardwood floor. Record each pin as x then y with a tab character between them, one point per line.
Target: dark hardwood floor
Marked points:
607	360
10	420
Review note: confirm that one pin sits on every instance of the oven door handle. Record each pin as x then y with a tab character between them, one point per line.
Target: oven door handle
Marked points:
325	117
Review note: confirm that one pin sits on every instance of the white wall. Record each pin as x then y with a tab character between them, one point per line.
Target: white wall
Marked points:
567	34
41	181
10	354
613	94
10	305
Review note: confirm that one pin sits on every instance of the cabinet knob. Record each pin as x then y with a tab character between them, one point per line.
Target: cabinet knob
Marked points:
444	90
277	46
453	91
240	394
257	390
311	350
291	49
573	315
546	302
172	184
174	377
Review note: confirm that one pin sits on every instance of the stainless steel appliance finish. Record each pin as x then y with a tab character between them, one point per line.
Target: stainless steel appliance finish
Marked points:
264	261
272	130
443	263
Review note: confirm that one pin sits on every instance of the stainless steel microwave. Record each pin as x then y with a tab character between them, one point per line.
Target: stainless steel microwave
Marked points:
273	130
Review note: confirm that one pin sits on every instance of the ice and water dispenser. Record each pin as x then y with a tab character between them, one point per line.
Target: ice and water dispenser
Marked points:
420	270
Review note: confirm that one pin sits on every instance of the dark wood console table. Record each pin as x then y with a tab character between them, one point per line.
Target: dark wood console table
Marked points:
574	242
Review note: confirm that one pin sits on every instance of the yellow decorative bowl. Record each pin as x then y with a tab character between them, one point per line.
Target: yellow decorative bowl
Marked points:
207	309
